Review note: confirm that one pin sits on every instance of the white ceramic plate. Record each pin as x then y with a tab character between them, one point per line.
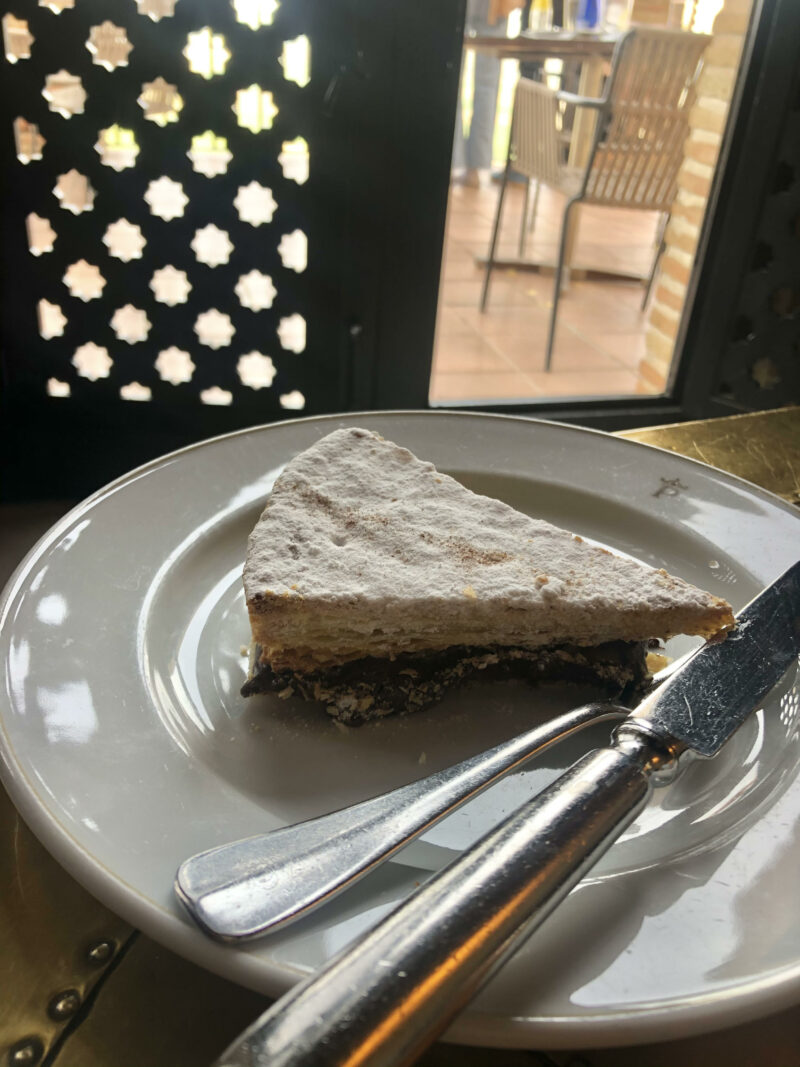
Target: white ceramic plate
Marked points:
127	747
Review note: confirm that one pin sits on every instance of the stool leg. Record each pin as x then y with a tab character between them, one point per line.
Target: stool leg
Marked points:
495	233
535	208
523	226
562	245
660	248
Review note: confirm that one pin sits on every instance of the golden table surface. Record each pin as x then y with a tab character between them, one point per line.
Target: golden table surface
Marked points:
81	988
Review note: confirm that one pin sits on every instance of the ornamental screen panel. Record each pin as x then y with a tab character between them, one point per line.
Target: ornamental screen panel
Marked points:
162	214
760	363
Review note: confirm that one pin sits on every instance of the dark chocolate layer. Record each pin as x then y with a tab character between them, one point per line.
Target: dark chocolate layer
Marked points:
369	688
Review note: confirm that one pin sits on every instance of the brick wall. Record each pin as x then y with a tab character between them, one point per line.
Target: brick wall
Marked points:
707	124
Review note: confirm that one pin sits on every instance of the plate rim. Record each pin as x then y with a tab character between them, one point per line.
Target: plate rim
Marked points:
711	1011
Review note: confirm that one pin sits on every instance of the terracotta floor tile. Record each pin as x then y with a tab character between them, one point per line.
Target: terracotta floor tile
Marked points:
628	348
463	293
449	323
469	353
459	267
601	328
570	353
613	317
584	382
499	321
467	293
489	387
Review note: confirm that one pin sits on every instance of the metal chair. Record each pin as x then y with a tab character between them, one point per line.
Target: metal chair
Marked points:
637	146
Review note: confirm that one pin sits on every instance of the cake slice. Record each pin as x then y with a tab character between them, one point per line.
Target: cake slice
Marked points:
374	583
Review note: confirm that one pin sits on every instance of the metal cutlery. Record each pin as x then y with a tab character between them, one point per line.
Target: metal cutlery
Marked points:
247	888
381	1002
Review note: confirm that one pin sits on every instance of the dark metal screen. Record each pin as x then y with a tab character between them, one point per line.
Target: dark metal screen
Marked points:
760	366
211	220
160	228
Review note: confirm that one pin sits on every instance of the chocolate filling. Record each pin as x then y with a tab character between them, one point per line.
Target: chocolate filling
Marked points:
370	688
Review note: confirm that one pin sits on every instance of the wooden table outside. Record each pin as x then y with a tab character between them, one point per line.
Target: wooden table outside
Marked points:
81	988
547	45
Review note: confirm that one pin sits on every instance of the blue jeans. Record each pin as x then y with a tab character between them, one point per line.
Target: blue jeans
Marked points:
475	150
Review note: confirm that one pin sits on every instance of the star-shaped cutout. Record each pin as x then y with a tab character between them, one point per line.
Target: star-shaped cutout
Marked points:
296	61
117	147
57	388
255	291
64	93
40	234
174	365
74	192
57	6
209	154
211	246
294	401
293	250
84	280
157	9
255	370
166	199
294	160
28	141
17	38
136	391
109	45
254	109
170	286
160	101
255	204
215	395
130	324
92	361
255	13
124	240
51	320
214	329
206	53
292	333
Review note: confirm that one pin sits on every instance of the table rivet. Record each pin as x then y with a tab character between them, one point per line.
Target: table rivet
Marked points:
64	1005
100	951
26	1053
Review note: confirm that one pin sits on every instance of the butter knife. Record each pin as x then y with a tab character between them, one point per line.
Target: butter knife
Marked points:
381	1002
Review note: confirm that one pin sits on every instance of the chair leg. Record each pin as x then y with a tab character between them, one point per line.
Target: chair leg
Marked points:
523	227
495	234
562	247
535	208
661	245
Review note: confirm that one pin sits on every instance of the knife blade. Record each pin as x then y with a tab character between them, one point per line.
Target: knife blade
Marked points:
707	699
383	1001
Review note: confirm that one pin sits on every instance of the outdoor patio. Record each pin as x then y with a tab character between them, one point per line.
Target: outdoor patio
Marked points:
500	354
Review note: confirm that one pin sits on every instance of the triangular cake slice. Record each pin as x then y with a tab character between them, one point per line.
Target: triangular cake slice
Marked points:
373	582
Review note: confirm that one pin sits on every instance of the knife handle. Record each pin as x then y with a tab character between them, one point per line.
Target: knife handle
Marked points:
381	1002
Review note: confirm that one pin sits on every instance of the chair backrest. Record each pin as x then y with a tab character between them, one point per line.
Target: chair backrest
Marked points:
533	132
640	137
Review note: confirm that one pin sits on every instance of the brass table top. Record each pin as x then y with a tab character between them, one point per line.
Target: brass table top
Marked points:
81	988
